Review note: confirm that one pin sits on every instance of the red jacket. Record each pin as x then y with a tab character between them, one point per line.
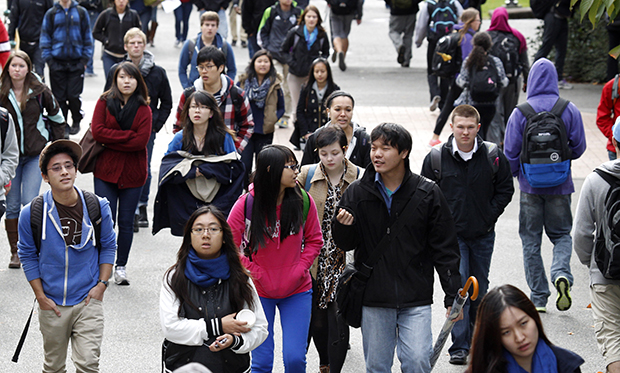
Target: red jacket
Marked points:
607	113
5	46
123	162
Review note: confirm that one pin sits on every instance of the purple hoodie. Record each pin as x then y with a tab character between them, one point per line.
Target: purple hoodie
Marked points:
542	93
467	44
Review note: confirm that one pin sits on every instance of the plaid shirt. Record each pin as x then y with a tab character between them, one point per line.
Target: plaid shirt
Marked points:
240	120
66	34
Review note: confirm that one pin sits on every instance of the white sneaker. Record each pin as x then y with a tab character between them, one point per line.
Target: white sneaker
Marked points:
120	276
435	103
563	84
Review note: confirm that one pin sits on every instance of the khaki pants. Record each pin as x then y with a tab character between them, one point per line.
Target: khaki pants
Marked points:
294	85
232	18
605	309
80	324
289	110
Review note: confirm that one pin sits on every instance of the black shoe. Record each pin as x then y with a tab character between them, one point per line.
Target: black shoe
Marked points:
75	129
143	220
244	44
341	64
67	130
459	358
233	43
136	225
401	55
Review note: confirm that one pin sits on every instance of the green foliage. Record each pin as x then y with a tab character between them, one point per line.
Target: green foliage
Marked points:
595	9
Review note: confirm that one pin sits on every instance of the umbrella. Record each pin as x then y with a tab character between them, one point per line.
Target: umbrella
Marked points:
459	301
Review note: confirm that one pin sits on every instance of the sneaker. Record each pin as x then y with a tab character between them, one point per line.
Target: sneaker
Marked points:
143	220
459	358
541	309
405	64
334	56
120	276
434	142
177	44
74	129
90	75
563	84
401	55
435	103
564	301
233	43
282	123
341	64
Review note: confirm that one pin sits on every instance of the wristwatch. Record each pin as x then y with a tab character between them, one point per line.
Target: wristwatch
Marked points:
103	282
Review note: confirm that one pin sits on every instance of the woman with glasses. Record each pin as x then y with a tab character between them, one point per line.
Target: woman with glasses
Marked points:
26	98
122	123
201	298
201	166
281	240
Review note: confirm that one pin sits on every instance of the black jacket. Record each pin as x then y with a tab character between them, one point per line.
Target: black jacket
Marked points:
311	114
27	16
568	361
476	196
300	58
251	14
360	156
110	31
213	305
396	11
404	275
213	5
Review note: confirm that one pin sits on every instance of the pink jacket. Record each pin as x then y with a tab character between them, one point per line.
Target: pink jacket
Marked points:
280	269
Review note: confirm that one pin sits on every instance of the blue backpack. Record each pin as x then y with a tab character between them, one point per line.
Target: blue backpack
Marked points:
545	155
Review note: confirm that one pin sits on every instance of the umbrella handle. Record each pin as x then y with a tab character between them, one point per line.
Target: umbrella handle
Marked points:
470	281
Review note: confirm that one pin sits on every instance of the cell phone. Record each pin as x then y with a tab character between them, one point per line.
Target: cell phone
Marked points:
223	341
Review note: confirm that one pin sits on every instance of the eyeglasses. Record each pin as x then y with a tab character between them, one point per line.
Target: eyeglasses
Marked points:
58	167
293	167
205	68
199	231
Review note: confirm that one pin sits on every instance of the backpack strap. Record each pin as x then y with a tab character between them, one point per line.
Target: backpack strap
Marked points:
305	204
311	171
527	110
94	214
36	220
559	107
493	155
248	204
191	45
614	89
436	161
4	126
609	179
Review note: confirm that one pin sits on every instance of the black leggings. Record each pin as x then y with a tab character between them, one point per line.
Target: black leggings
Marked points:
446	110
330	334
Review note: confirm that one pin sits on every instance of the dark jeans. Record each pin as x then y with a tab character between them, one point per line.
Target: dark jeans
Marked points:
612	156
181	20
124	201
93	14
145	18
475	261
448	106
67	83
555	34
253	46
256	143
144	196
33	51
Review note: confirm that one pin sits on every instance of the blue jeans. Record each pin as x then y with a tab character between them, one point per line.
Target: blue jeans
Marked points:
553	213
24	186
93	14
125	201
223	27
253	46
475	261
612	155
108	62
181	20
295	318
407	329
145	18
144	195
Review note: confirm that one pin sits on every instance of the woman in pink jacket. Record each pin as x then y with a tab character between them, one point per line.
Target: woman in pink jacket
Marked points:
283	240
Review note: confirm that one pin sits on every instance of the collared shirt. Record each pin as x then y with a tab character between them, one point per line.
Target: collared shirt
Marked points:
385	192
466	156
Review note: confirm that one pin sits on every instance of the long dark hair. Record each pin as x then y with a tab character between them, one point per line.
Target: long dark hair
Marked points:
239	288
302	19
486	354
250	71
30	81
307	87
141	92
270	164
467	17
478	56
216	129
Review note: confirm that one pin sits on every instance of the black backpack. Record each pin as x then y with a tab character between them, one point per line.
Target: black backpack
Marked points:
446	61
343	7
506	48
541	7
607	245
545	155
484	83
442	17
37	214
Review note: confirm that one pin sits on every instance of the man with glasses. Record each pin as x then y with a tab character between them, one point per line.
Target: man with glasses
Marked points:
67	260
160	95
234	106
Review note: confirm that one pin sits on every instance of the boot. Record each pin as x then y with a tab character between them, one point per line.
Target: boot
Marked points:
136	226
11	232
143	220
151	36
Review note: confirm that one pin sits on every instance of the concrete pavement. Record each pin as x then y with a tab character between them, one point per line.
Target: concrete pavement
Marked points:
384	92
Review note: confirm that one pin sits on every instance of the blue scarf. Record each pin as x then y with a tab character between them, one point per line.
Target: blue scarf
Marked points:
543	361
206	272
310	37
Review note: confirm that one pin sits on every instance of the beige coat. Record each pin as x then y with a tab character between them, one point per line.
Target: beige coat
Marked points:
271	103
318	190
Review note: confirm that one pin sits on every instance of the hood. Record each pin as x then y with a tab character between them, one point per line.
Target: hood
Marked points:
543	79
499	22
611	167
146	63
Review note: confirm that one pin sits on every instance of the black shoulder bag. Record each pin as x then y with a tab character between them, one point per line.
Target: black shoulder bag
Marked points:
352	282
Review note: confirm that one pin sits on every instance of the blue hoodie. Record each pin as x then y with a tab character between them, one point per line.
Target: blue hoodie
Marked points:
187	79
542	94
67	273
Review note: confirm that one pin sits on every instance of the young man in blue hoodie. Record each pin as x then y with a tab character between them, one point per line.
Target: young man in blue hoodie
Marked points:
547	207
67	272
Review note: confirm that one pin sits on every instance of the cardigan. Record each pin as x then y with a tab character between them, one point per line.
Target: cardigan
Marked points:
123	161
